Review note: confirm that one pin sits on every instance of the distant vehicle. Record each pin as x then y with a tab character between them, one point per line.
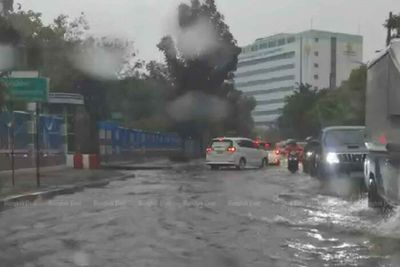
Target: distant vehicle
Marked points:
293	161
341	152
382	166
281	147
291	145
274	155
309	154
235	152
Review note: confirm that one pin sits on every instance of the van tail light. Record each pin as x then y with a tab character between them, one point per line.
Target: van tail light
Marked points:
209	150
277	152
231	149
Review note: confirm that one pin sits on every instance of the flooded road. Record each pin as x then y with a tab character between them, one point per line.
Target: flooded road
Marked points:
192	216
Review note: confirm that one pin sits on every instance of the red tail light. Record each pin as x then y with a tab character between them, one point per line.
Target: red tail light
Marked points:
277	152
209	150
231	149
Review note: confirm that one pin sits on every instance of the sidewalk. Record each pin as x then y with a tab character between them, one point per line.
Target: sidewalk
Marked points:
52	178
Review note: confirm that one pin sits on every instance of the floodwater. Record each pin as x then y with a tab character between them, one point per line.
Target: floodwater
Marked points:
192	216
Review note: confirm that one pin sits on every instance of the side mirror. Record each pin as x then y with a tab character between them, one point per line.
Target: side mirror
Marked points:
316	142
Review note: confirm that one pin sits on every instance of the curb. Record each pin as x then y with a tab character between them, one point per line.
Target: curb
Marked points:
32	170
60	190
135	168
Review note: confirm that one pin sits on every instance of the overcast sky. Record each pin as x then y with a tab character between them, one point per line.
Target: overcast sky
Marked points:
146	21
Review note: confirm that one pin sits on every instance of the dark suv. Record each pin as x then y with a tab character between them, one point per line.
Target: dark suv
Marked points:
341	151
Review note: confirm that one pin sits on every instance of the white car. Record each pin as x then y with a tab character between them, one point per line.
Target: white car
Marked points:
237	152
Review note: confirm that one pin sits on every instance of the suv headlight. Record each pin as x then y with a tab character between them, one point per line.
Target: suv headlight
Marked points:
332	158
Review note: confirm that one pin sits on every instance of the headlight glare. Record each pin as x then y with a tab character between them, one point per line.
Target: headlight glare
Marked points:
332	158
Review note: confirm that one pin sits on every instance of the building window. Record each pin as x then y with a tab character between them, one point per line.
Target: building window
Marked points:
271	91
254	48
267	59
267	70
316	53
281	41
316	40
265	81
316	65
272	44
267	112
316	77
291	40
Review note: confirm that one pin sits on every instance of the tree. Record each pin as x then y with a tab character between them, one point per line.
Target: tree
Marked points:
392	25
294	121
73	60
307	111
201	69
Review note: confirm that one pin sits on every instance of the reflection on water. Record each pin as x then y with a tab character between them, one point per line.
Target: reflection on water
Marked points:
340	231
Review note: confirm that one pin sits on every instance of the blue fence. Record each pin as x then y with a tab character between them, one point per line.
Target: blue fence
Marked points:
50	133
119	140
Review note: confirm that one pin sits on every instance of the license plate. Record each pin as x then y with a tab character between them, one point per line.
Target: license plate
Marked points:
220	152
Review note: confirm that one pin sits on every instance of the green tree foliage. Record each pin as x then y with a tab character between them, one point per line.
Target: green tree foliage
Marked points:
201	60
141	102
308	111
294	121
60	51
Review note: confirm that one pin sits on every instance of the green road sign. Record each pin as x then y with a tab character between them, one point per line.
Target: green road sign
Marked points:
27	89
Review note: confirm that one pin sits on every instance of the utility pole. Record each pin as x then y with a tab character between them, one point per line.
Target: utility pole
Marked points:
301	60
37	142
389	29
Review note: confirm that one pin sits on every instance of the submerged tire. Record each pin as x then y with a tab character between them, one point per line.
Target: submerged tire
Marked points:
242	164
264	163
214	167
374	200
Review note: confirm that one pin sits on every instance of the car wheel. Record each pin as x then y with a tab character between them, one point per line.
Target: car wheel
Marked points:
242	164
306	168
374	200
214	167
320	172
264	163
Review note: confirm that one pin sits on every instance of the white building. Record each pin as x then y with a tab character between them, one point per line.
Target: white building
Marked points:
270	68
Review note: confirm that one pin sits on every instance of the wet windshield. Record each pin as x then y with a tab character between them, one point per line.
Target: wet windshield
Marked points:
336	138
187	133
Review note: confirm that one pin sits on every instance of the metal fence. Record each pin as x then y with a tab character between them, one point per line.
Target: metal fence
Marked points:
116	140
51	134
51	137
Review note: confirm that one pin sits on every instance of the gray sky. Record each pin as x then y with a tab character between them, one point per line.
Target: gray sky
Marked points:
146	21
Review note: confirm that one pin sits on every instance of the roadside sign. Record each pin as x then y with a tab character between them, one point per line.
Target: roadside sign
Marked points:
27	89
25	74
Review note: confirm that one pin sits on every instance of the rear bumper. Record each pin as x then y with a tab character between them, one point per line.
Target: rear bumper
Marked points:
274	159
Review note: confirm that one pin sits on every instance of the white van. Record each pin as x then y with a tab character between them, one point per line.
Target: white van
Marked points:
237	152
